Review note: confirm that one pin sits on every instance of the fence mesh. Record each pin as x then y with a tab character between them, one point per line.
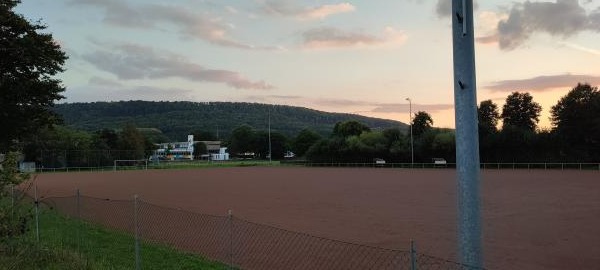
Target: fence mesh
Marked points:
239	243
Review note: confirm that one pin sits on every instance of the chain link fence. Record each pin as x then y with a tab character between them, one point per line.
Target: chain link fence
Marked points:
235	242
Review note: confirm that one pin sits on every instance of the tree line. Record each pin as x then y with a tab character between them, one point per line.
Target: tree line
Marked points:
30	59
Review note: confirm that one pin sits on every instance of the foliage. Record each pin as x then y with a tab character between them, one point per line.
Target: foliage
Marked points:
576	119
199	149
242	140
13	218
521	111
488	117
179	119
349	128
28	61
421	123
304	140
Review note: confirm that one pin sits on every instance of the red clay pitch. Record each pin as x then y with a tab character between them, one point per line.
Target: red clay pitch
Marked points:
532	219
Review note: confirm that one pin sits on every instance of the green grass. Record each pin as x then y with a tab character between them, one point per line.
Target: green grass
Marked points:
67	243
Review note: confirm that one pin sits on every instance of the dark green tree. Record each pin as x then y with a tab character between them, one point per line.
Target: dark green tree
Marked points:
576	119
28	61
199	150
422	122
132	142
349	128
488	117
204	135
304	140
242	140
521	111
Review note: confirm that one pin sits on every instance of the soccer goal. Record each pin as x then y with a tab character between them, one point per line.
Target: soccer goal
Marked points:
130	164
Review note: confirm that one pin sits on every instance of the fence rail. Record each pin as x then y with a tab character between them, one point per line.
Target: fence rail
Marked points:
192	164
515	165
238	243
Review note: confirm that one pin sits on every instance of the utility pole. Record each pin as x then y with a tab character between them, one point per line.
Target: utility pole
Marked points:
412	149
467	138
270	154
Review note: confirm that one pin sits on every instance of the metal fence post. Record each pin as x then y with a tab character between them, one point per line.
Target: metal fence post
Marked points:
413	256
137	233
37	215
78	202
230	223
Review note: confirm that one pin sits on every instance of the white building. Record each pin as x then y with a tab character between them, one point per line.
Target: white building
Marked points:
185	150
221	156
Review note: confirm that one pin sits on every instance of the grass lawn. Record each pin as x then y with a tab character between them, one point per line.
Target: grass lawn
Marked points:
67	243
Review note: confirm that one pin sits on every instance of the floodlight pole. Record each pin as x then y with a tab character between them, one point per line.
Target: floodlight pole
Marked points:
467	138
270	154
412	149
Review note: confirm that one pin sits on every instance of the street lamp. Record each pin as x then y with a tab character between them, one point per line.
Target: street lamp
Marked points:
270	154
412	151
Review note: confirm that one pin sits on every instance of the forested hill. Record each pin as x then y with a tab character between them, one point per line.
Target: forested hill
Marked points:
177	119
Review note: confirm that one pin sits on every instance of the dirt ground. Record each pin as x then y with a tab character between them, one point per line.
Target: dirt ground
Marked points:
532	219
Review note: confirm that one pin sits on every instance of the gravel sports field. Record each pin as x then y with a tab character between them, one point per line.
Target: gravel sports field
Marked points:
532	219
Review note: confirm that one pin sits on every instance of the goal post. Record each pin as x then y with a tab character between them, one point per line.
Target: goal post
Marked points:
130	164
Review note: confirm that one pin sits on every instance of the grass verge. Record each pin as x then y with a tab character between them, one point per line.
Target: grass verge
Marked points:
67	243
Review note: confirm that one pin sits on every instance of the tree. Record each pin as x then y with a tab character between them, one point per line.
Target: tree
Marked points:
133	141
204	135
28	61
13	216
422	122
349	128
304	140
242	140
521	111
488	117
199	149
576	119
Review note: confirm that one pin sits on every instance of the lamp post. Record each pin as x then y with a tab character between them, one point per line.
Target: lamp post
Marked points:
412	151
270	154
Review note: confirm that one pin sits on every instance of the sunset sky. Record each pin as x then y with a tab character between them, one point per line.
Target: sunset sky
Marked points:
363	57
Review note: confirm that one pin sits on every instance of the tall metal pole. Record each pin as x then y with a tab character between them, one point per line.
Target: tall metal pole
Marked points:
412	149
270	154
467	138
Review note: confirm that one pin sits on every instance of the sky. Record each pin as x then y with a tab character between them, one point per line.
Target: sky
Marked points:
362	57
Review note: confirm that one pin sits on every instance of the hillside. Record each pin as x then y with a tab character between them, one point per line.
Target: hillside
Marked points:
177	119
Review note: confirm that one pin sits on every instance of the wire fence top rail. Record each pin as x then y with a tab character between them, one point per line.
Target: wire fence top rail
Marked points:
240	243
485	166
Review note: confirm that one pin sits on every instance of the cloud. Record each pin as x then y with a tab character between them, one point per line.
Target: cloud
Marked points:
103	82
581	48
543	83
401	108
563	18
369	106
150	16
131	61
287	9
330	37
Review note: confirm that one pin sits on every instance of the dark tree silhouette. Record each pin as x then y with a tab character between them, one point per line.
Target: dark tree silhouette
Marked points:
488	117
422	122
28	61
521	111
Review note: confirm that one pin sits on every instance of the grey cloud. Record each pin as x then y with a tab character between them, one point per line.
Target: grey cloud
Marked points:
562	18
543	83
103	82
130	61
190	24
